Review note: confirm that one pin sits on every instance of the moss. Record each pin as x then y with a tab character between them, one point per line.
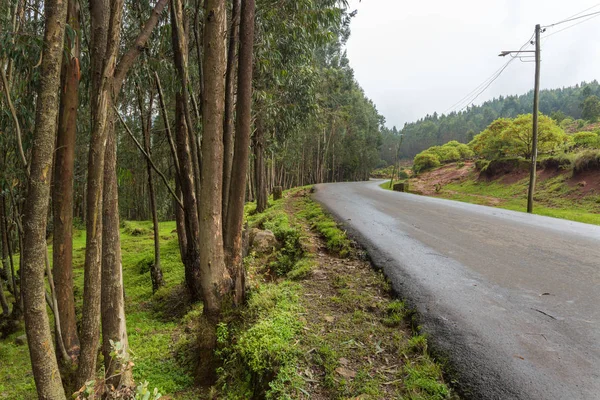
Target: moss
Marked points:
336	240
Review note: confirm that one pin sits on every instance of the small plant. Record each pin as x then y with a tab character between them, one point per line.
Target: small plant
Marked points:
96	389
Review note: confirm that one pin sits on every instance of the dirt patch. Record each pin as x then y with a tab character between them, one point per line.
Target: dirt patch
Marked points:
427	182
588	183
513	177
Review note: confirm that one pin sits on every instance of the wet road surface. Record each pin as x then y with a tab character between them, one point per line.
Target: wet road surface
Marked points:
511	299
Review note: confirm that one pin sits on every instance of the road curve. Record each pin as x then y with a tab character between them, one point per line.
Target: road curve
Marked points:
511	299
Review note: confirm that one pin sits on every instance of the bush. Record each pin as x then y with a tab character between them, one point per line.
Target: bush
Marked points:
424	161
587	161
562	161
481	164
587	140
503	166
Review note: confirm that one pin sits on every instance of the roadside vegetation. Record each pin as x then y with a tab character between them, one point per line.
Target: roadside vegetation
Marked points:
493	169
319	322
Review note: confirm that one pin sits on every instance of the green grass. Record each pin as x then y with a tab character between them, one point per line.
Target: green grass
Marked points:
550	199
152	338
336	239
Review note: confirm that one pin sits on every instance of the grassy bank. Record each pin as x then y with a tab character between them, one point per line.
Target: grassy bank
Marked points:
319	322
557	195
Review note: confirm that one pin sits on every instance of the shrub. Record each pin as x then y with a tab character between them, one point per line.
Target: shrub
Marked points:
561	161
504	166
588	140
402	174
587	161
424	161
481	164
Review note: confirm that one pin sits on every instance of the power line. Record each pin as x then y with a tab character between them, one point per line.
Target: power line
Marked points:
467	100
595	15
571	19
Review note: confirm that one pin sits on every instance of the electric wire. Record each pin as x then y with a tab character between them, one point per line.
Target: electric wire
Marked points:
471	96
571	19
571	26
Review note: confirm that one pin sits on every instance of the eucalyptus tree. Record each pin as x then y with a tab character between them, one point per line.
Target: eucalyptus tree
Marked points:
43	359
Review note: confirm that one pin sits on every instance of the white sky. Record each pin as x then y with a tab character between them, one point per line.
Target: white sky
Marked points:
414	57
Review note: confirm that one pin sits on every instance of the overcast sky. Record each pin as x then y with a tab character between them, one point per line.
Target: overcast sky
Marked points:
416	57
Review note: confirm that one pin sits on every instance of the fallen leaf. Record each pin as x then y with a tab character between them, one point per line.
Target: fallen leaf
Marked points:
345	372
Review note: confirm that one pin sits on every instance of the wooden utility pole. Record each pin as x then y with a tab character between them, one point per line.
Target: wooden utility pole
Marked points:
536	103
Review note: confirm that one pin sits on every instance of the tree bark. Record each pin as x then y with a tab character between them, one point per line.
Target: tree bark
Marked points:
215	279
104	50
260	182
192	258
181	58
155	271
41	349
113	303
228	122
62	191
237	190
108	85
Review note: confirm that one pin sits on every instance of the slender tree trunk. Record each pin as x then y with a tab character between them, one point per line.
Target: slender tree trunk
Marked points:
228	122
62	191
103	63
215	279
180	224
180	49
258	141
41	350
237	190
113	304
192	225
155	271
4	241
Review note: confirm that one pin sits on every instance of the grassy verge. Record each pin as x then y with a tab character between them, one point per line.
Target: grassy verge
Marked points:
154	337
554	197
321	323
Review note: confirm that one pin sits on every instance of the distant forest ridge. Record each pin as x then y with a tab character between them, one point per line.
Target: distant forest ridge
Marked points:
462	126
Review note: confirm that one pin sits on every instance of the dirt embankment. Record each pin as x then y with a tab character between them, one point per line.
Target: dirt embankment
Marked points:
429	183
432	183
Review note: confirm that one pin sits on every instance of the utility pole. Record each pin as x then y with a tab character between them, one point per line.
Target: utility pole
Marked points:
536	104
396	168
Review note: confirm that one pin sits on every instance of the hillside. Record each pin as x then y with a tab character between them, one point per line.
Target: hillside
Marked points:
559	193
563	103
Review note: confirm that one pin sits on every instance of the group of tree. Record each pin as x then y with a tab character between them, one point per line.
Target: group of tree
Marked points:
168	109
510	138
581	101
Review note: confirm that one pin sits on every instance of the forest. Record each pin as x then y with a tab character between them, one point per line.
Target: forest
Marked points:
168	110
578	102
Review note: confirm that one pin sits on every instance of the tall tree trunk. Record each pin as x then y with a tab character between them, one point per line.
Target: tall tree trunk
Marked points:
155	271
4	242
39	337
187	151
113	304
260	181
180	225
192	225
180	49
106	87
237	190
215	279
228	122
104	50
62	191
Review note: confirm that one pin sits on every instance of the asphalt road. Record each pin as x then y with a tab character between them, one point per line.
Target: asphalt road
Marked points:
511	300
